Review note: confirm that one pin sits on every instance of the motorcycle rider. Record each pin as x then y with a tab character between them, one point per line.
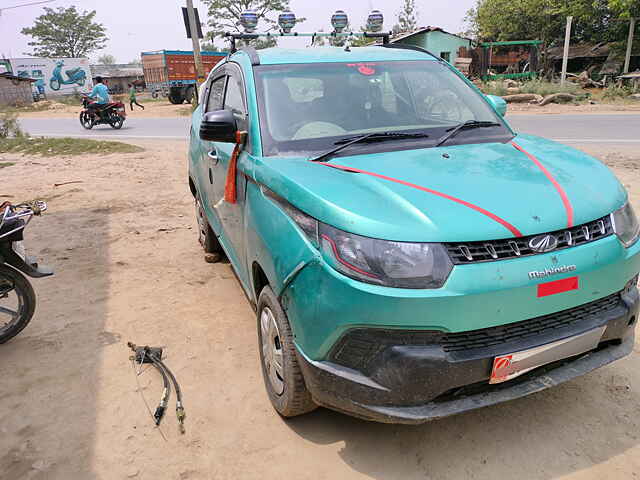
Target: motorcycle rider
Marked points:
101	93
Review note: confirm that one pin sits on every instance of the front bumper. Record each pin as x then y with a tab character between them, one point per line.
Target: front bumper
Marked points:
411	383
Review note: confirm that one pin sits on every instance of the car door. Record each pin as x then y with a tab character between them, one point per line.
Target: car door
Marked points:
214	96
231	215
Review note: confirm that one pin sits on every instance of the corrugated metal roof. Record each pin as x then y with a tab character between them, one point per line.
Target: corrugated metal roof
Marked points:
420	30
117	70
581	50
10	76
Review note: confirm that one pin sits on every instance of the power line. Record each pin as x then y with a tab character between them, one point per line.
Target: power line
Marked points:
25	5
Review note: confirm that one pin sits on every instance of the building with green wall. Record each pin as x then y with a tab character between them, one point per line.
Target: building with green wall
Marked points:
437	41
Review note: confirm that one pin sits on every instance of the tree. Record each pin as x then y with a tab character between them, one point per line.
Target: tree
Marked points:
545	20
224	16
107	59
407	18
65	32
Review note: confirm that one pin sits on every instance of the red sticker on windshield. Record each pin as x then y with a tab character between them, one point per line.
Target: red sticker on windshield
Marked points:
364	68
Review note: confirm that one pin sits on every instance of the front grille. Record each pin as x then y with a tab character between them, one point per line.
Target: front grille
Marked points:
359	346
486	337
492	250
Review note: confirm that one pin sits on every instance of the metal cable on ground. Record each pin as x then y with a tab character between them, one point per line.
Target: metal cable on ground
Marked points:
180	413
140	354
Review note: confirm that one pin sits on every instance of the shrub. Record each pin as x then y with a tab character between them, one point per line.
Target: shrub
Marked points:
9	126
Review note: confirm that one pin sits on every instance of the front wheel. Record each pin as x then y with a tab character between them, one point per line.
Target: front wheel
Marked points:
86	121
81	81
17	303
54	84
280	369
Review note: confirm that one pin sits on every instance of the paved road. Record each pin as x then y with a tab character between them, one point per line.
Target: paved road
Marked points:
594	128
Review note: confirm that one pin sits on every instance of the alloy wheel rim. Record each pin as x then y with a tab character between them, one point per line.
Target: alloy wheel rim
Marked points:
12	305
272	354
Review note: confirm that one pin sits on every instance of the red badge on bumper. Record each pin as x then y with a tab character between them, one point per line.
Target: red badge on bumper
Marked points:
559	286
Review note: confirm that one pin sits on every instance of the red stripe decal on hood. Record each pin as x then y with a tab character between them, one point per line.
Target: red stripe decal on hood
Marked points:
492	216
561	192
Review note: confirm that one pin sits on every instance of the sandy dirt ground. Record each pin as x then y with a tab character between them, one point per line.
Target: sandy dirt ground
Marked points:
163	109
128	268
152	109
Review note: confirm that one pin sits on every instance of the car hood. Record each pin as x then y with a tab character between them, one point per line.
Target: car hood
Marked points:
458	193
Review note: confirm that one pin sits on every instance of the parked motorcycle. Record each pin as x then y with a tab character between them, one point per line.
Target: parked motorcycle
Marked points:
17	298
74	75
112	114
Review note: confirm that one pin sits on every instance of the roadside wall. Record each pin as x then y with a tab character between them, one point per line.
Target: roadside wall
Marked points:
51	74
15	92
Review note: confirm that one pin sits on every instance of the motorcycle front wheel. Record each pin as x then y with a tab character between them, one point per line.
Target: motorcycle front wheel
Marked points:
116	122
86	121
17	303
54	84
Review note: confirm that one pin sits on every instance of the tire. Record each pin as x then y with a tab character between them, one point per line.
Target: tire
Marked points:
54	84
116	121
81	82
86	121
176	98
14	286
188	95
285	384
206	237
154	94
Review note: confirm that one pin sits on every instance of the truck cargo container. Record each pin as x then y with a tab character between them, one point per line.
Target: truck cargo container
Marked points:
172	73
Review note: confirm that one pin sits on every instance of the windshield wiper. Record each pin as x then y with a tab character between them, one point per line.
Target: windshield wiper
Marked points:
369	137
469	124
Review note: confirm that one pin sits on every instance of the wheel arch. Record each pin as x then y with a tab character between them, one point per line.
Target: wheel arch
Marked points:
259	279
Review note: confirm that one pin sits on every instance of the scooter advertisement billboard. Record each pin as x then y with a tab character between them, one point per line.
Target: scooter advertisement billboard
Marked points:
55	76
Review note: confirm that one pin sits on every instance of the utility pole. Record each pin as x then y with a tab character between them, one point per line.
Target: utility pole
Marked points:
627	58
565	55
200	78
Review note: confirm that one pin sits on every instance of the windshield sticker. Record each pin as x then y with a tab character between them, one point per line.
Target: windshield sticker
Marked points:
366	69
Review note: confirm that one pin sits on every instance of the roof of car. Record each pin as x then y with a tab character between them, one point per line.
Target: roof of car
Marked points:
275	56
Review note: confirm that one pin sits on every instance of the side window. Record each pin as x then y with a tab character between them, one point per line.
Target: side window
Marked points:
215	94
234	99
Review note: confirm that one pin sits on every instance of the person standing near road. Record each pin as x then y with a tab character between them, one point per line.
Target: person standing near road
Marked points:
132	97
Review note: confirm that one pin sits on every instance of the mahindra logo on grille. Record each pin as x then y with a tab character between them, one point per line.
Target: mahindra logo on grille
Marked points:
543	243
547	272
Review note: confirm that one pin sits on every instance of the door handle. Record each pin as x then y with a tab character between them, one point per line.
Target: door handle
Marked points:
213	156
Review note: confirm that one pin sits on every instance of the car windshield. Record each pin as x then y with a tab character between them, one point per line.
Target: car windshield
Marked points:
307	108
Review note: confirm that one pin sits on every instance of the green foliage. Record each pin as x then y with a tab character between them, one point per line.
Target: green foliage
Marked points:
614	92
407	17
50	147
493	88
107	59
9	126
65	32
543	87
224	16
594	20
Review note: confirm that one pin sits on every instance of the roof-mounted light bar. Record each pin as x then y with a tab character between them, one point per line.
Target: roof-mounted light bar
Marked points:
287	21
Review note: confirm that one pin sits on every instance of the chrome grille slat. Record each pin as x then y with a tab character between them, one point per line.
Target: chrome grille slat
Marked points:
488	251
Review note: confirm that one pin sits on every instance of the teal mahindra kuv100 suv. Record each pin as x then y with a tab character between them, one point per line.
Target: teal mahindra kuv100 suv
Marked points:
409	255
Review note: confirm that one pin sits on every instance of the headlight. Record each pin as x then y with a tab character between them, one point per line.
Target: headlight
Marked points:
625	224
381	262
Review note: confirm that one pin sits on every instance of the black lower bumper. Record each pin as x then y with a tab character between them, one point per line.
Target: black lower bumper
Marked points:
417	384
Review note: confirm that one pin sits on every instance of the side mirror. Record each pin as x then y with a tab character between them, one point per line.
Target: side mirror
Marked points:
219	126
498	103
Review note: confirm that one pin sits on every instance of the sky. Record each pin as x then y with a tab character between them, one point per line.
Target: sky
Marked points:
135	26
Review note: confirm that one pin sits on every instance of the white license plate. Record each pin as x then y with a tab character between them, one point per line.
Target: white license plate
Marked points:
506	367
